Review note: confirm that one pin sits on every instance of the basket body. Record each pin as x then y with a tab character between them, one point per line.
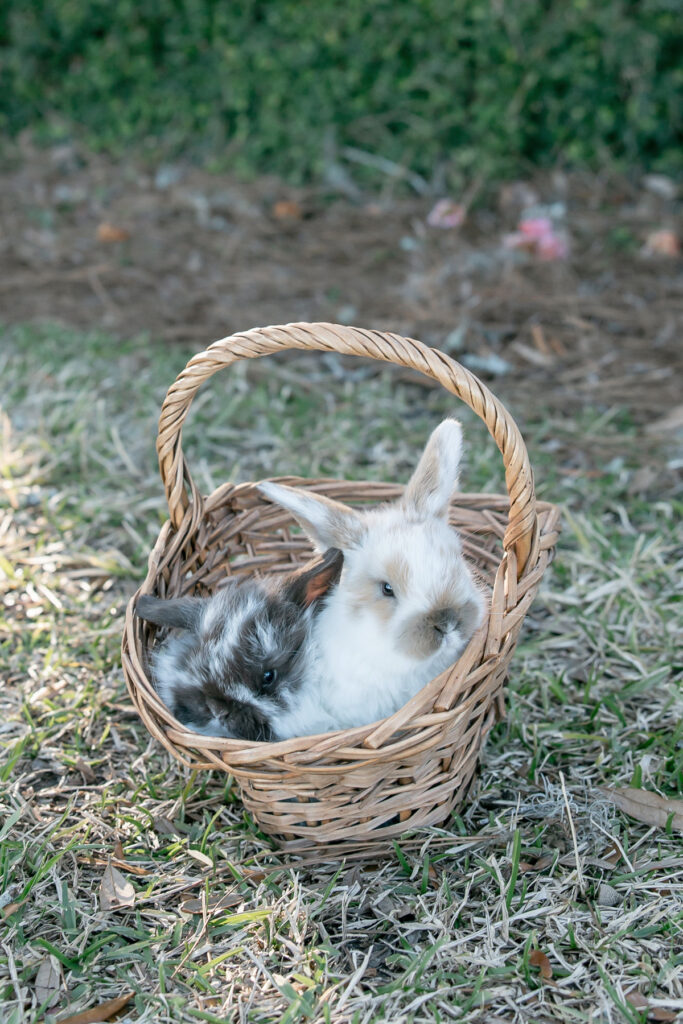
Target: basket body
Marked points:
351	788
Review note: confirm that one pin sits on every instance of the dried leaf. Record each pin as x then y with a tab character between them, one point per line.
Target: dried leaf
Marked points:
9	909
107	232
287	209
85	770
639	1002
196	905
115	890
354	876
48	982
538	959
118	851
201	858
538	336
165	827
546	861
540	865
660	1013
103	1011
612	854
557	346
646	806
255	876
134	869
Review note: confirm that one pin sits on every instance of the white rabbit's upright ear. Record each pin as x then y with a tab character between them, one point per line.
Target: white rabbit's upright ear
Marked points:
329	524
429	489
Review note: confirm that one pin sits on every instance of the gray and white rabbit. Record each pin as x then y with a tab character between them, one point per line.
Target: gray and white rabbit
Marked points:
406	604
238	664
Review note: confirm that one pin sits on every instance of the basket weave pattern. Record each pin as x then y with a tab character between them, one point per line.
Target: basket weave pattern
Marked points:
352	787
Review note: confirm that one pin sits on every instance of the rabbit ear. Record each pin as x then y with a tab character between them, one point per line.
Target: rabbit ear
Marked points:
430	487
329	524
180	612
310	584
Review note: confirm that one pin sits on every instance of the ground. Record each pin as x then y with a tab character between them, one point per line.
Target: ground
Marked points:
541	900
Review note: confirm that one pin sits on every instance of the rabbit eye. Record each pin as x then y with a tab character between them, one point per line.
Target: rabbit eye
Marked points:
269	676
388	590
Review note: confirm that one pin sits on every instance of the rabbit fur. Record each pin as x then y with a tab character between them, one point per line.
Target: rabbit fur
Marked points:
238	664
406	604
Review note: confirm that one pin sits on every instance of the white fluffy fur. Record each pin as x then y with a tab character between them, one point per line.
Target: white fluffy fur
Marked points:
364	667
307	714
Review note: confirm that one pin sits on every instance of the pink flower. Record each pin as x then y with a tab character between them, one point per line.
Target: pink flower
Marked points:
446	214
539	236
536	227
552	247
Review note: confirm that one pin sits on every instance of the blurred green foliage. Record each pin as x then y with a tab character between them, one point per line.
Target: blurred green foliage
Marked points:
444	87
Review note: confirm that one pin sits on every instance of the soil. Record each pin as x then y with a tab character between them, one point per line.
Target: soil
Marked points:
184	255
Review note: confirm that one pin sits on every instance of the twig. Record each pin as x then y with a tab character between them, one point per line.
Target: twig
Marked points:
579	872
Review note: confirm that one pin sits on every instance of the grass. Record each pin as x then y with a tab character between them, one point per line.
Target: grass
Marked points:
539	901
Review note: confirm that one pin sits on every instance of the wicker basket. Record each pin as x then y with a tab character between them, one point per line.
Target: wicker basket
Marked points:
354	787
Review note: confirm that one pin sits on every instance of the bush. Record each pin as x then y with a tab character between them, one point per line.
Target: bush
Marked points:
443	87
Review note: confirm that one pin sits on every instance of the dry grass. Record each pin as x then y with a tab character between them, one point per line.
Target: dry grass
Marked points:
541	902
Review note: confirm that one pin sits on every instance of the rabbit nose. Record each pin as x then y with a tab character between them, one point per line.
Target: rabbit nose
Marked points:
443	620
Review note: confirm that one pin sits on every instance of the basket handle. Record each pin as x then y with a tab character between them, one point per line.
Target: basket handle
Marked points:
391	348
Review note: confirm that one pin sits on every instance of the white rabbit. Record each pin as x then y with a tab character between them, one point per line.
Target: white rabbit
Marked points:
406	604
239	665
